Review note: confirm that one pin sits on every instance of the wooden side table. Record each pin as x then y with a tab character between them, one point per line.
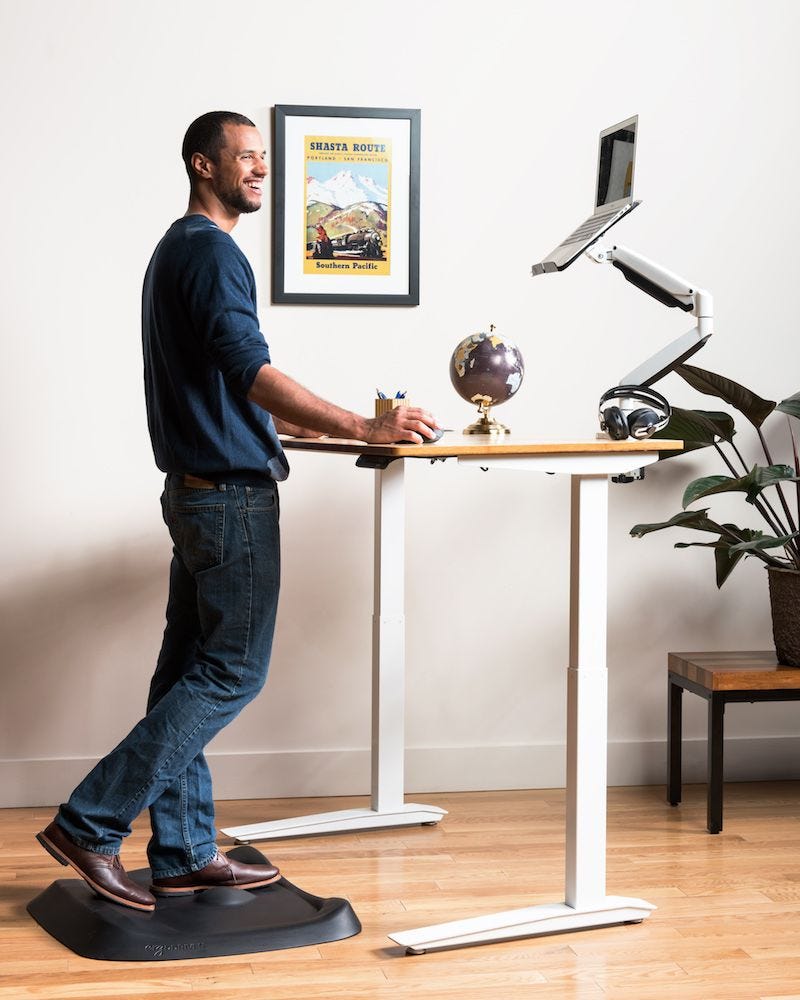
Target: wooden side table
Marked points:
720	678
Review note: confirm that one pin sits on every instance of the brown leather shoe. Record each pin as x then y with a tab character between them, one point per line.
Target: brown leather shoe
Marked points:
103	872
220	871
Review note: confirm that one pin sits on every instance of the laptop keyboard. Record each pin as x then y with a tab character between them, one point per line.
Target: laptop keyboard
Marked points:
590	226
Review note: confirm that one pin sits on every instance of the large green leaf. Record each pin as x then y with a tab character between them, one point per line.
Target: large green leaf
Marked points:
752	406
724	563
790	405
705	485
700	426
725	559
756	545
686	519
722	423
696	428
726	546
756	480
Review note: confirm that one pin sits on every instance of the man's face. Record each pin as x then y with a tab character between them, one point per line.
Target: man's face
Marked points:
239	172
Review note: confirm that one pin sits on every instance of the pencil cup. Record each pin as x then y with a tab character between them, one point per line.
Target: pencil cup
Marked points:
384	405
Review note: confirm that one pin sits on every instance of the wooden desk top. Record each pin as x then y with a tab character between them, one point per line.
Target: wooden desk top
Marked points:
747	671
453	445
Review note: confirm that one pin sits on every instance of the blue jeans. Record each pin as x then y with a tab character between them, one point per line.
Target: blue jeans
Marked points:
223	598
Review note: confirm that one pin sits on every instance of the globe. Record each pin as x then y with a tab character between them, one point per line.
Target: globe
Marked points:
486	369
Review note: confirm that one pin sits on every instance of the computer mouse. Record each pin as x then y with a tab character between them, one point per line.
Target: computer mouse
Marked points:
437	434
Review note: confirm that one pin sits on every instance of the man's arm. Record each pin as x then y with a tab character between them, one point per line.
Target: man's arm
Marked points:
292	404
294	430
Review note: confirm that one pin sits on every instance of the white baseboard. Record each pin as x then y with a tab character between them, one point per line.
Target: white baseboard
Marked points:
279	774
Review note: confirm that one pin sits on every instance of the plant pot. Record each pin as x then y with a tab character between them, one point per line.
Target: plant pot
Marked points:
784	596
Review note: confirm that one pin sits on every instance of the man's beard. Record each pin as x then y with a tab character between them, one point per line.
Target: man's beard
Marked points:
237	200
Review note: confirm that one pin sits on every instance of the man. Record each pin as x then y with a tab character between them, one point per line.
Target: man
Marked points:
322	246
215	407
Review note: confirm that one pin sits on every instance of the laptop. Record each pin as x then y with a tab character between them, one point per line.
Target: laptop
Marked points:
613	195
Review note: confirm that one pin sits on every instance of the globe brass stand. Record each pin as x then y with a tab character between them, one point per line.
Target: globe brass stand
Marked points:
487	424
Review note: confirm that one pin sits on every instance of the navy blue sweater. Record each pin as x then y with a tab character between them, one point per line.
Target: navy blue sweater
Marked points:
202	348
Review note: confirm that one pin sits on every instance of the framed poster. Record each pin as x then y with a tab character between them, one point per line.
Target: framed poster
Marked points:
346	214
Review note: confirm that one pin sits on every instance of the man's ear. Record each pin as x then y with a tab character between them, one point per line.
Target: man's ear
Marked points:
201	165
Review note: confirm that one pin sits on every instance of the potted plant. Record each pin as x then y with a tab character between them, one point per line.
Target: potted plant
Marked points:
772	490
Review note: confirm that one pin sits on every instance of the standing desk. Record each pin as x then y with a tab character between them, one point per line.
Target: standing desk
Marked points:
589	464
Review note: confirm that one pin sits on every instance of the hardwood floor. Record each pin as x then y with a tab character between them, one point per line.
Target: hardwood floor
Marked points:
727	925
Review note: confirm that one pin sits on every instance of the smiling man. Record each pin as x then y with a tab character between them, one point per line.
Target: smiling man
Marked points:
215	406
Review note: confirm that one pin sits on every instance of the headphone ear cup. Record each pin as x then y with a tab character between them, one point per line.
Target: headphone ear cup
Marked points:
643	423
614	423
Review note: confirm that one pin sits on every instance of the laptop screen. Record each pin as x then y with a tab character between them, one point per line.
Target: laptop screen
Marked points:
615	164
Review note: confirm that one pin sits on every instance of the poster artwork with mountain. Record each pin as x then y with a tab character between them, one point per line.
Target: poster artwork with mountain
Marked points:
347	198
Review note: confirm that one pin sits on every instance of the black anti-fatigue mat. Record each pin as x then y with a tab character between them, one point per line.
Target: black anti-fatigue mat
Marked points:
208	924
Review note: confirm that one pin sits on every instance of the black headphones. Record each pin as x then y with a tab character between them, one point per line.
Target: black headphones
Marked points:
641	423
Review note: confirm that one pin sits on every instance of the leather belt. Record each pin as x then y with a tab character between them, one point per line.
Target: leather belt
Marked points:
196	483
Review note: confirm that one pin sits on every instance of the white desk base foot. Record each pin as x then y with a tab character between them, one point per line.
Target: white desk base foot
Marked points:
409	814
551	918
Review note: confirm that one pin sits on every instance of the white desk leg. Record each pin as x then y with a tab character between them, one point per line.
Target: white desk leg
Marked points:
388	640
388	657
587	692
586	903
388	689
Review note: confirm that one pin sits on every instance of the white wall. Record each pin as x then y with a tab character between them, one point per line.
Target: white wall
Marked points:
95	97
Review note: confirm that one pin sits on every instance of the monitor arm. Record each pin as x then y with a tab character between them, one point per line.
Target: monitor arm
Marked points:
672	291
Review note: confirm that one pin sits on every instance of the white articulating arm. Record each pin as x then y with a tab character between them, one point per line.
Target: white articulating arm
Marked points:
671	290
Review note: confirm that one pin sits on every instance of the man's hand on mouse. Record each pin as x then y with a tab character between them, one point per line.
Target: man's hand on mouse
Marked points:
403	423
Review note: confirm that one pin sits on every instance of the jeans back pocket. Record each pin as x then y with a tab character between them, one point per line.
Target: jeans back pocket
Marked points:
197	528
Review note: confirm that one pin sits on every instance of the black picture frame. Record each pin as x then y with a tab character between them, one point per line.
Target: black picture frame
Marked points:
374	264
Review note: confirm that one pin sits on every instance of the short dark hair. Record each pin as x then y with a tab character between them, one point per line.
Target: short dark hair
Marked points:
206	136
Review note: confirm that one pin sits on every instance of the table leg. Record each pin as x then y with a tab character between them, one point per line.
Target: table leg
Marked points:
388	658
716	728
587	694
674	742
586	903
388	690
388	640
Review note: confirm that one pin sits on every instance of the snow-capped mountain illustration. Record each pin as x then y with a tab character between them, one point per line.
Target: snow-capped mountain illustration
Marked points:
344	189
